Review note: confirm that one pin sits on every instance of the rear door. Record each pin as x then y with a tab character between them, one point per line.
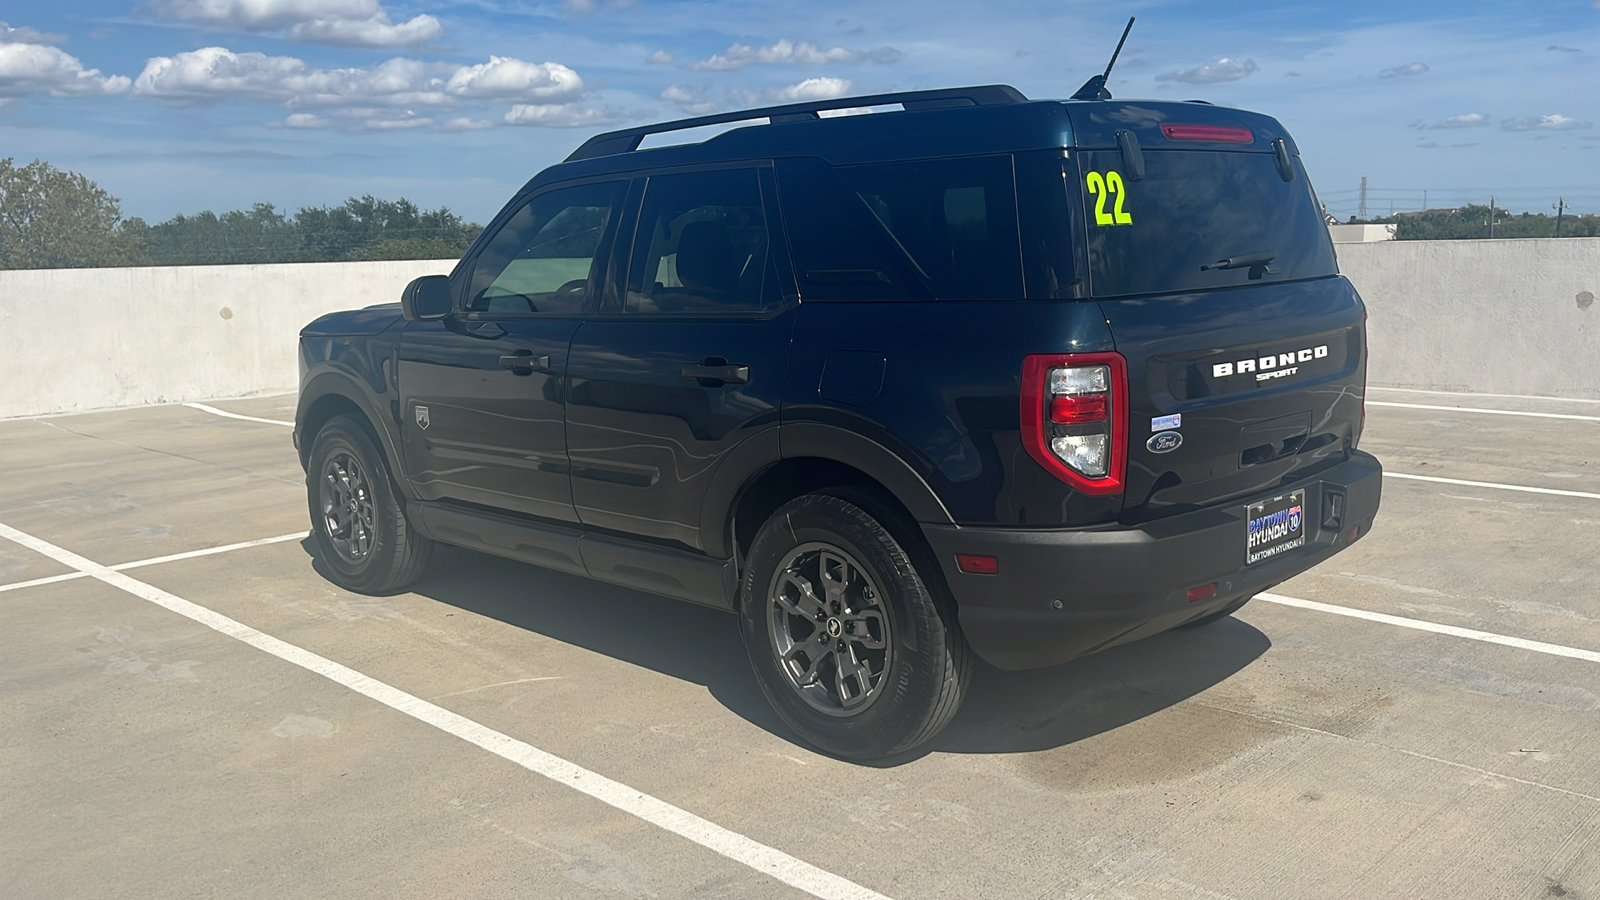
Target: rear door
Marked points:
1245	350
686	362
482	391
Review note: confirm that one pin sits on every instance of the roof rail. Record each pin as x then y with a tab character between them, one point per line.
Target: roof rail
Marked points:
627	140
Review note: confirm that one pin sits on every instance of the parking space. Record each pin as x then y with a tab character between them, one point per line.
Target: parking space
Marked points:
509	731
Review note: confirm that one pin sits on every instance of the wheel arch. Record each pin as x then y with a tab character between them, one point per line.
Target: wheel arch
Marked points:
332	394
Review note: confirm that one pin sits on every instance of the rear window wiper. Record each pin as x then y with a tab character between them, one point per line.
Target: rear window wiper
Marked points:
1255	262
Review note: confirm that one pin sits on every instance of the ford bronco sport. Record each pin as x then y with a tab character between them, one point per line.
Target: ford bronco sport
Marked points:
977	375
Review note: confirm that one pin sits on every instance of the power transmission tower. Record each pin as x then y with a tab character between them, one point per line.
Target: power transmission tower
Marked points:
1362	213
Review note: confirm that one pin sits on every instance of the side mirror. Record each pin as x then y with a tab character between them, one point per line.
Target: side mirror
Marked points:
426	298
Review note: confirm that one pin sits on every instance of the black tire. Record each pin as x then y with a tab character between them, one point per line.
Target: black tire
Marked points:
875	592
357	518
1217	616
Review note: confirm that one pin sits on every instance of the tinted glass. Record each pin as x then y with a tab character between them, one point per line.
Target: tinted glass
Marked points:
701	245
955	218
841	252
1194	208
539	260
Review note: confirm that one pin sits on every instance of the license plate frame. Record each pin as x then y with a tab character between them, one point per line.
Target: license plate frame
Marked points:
1274	526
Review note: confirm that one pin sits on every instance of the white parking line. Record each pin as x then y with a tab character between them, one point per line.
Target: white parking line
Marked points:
1489	412
790	870
1470	634
157	560
1471	394
1495	485
228	415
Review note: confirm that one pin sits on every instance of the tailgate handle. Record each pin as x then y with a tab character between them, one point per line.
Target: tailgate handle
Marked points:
1273	439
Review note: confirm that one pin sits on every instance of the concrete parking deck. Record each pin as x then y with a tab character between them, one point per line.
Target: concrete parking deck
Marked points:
180	716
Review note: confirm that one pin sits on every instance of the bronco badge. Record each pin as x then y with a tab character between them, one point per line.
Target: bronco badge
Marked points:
422	418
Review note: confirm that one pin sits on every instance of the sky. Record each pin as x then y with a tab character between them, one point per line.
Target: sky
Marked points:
179	106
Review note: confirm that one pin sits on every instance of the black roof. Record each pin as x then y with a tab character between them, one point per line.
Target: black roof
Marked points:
948	122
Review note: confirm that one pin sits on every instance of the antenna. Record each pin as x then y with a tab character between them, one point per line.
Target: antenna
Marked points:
1095	87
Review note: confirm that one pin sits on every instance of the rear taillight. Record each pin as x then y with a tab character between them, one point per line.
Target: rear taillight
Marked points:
1075	418
1216	134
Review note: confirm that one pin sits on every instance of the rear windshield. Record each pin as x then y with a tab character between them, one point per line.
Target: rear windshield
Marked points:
1194	209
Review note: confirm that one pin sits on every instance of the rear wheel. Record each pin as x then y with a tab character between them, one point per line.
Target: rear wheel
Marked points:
357	520
850	641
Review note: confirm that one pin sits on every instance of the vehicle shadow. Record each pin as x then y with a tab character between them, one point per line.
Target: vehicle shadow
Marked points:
1005	712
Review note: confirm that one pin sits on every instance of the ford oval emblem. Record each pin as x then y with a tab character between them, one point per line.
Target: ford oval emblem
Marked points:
1164	442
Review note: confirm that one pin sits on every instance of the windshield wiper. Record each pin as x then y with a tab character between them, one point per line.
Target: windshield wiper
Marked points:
1250	261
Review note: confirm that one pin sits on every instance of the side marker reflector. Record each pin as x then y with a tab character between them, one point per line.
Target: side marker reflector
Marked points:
977	565
1203	592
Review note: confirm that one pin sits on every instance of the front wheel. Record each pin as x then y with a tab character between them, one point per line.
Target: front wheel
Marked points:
357	520
848	637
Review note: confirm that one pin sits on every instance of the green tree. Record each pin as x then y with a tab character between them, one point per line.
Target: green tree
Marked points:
52	219
262	235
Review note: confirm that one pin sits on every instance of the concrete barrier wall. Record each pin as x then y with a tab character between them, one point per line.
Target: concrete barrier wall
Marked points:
1502	317
1513	317
76	339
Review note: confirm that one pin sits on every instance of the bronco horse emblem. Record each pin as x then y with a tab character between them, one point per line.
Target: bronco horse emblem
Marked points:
422	418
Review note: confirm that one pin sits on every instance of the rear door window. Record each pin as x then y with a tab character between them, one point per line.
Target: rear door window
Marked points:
1193	209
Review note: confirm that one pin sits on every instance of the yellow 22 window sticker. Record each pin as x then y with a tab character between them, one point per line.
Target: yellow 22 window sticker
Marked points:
1102	187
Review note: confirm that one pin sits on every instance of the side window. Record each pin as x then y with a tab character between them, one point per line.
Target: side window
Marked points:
539	260
955	218
702	246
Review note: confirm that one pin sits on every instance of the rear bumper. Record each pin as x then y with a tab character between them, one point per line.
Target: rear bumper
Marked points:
1117	584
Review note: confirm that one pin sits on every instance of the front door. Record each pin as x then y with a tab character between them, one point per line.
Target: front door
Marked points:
483	391
687	362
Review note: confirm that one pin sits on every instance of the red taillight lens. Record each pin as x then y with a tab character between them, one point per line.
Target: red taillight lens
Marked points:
1075	418
1216	134
1080	410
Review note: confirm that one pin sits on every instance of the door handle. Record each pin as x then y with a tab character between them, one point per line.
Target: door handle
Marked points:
714	375
525	363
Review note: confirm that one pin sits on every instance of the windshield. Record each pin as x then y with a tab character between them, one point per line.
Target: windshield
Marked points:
1198	219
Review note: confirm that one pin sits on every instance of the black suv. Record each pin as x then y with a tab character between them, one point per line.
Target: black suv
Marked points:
980	374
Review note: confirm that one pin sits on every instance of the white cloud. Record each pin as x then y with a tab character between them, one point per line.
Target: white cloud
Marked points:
22	34
1465	120
659	58
396	123
466	123
305	120
216	73
38	69
347	23
813	89
1545	123
512	78
556	115
368	32
1412	69
1224	69
786	51
692	100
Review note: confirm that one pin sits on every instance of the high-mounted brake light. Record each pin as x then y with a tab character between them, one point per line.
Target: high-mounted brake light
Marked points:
1075	418
1216	134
